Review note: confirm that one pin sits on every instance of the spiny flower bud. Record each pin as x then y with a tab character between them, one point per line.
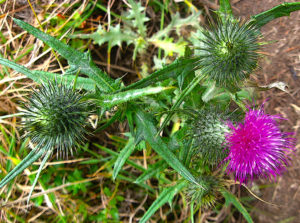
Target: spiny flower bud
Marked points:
229	53
55	118
208	130
207	193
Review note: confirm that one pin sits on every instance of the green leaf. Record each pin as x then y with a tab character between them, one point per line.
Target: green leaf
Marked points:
170	46
178	102
145	125
123	156
283	9
176	23
230	198
151	171
77	60
138	16
42	76
109	100
172	70
162	38
114	37
211	92
27	161
186	153
225	10
133	31
165	196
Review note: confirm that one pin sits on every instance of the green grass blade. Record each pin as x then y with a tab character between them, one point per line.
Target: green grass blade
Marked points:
42	76
165	196
77	60
27	161
123	156
283	9
46	157
149	132
10	152
230	198
115	117
115	154
121	97
151	171
172	70
128	179
192	212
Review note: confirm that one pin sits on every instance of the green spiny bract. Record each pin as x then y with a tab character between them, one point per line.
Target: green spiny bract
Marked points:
229	53
55	118
207	129
206	194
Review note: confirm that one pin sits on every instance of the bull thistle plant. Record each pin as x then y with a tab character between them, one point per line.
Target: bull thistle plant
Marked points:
209	148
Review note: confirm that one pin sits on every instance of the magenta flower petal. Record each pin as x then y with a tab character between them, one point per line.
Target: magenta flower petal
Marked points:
257	147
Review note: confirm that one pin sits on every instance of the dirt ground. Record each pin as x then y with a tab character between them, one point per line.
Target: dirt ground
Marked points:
281	62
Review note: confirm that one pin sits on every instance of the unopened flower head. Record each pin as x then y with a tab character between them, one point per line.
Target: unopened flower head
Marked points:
257	147
208	129
55	118
206	191
229	53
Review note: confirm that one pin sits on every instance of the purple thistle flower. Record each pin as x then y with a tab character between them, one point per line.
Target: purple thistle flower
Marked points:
257	147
